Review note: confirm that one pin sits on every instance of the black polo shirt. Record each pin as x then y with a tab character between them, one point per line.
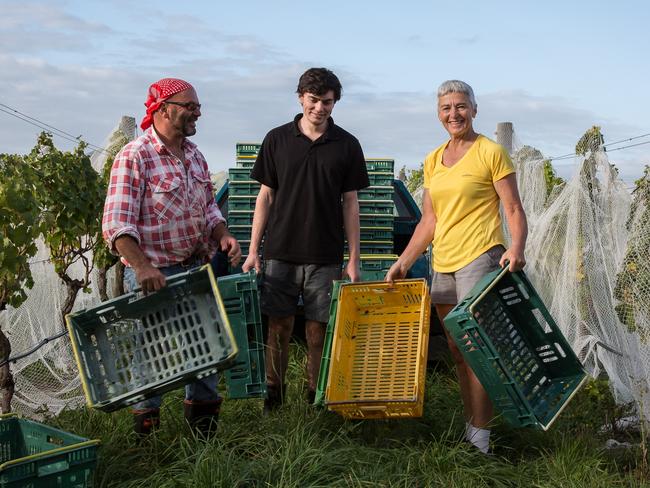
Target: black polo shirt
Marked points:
305	224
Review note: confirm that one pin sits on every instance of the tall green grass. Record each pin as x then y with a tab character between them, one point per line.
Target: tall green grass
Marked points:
301	446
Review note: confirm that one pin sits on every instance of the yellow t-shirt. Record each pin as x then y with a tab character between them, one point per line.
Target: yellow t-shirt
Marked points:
465	203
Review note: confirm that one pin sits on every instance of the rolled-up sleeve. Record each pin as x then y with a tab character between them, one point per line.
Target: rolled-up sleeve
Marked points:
123	198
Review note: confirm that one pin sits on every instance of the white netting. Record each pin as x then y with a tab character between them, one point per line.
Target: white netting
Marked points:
48	380
576	254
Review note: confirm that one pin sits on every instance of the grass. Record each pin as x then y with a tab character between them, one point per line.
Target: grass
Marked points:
300	446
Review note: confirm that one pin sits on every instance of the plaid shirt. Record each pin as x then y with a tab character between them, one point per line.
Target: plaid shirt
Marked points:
168	207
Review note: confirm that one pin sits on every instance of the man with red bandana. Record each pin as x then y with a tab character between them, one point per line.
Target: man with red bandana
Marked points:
160	216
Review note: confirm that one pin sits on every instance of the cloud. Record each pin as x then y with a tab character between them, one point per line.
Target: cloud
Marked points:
246	86
36	27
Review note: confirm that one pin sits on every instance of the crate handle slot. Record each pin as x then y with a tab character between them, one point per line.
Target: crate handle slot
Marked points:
51	468
373	408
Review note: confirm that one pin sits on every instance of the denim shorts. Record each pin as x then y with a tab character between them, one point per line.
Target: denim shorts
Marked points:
283	283
451	288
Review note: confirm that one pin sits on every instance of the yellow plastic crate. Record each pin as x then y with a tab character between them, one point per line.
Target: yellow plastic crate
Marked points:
379	350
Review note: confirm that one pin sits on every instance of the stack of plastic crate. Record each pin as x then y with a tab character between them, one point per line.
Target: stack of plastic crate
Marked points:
376	216
376	208
242	193
246	377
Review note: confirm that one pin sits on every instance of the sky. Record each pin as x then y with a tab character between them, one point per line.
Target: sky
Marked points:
552	68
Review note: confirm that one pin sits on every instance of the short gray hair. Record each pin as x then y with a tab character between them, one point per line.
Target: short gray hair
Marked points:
457	86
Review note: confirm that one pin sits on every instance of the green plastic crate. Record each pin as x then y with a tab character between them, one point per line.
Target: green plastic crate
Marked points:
247	148
376	220
323	372
137	346
376	193
243	188
376	233
246	378
245	162
376	247
33	455
241	233
384	165
377	262
239	219
380	178
238	202
516	350
239	174
374	207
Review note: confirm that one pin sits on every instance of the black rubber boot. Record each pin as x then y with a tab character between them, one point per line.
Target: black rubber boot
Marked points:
274	398
145	420
202	416
311	396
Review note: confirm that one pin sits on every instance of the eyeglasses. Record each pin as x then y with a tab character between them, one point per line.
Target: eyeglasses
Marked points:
191	106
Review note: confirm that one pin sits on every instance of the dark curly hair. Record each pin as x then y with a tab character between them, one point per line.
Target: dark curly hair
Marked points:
319	81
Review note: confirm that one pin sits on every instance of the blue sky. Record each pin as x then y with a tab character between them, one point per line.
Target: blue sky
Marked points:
552	68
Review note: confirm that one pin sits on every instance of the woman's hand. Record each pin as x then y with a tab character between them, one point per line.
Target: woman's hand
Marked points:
396	272
515	257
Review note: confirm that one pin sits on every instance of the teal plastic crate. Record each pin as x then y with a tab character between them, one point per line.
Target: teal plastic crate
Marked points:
376	233
137	346
323	372
375	247
376	220
245	163
376	193
247	148
239	219
238	202
34	455
516	350
384	165
380	178
241	233
378	262
246	378
243	188
376	207
239	174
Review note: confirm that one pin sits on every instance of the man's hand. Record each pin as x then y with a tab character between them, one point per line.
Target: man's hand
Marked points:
253	261
516	258
230	245
352	271
149	278
396	272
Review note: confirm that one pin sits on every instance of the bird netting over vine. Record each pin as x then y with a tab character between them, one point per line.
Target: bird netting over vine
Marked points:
47	380
588	256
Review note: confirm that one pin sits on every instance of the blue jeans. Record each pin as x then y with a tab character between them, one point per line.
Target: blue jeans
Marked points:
204	389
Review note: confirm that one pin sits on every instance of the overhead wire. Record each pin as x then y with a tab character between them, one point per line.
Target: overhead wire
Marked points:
47	127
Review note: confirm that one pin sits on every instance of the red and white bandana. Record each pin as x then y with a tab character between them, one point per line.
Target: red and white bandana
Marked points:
158	92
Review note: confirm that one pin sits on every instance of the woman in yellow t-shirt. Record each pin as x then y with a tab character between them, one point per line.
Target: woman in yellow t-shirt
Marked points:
465	180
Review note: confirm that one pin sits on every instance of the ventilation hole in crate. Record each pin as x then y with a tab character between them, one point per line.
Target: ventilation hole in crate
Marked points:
509	296
506	290
560	350
541	320
513	302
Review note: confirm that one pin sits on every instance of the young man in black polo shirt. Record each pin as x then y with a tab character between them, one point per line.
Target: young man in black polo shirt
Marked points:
310	170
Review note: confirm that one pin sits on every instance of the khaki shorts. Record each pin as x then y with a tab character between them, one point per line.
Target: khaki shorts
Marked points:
283	283
451	288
